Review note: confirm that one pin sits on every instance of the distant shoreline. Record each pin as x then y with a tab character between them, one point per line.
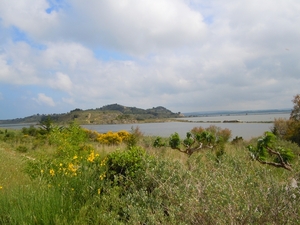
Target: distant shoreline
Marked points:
236	113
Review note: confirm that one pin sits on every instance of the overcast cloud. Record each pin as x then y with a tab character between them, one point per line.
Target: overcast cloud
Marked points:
185	55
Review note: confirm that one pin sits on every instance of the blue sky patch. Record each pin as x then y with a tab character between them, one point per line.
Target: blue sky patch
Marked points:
17	35
55	5
107	55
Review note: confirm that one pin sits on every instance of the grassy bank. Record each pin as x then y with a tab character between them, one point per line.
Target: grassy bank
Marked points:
66	178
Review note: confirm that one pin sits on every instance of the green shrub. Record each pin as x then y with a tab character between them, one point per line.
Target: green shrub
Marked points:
159	142
267	151
133	138
125	163
22	149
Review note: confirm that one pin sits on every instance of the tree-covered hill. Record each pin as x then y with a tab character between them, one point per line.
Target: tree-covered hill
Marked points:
109	114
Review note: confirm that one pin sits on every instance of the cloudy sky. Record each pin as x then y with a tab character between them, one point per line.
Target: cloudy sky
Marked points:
185	55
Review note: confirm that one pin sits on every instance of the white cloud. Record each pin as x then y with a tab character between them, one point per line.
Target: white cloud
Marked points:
30	16
45	100
135	27
61	82
189	55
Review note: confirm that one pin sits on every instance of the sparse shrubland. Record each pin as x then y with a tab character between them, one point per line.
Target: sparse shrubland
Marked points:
70	175
67	176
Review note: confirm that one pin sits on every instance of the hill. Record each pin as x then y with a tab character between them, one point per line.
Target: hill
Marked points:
109	114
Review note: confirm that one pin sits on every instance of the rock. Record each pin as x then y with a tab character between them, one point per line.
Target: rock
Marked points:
294	183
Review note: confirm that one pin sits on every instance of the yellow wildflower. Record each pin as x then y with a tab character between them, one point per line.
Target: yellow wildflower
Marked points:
1	187
75	157
98	191
102	176
52	172
42	171
103	162
72	168
60	164
91	156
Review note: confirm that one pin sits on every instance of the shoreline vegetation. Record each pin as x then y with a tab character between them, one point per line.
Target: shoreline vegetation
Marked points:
118	114
75	176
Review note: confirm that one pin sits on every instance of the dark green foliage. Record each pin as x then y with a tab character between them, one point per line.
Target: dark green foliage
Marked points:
32	131
125	163
159	142
8	135
174	141
22	149
46	124
210	138
237	140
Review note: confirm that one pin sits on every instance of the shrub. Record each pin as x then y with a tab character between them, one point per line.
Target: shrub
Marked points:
268	152
134	137
22	149
159	142
199	138
125	163
69	140
113	138
218	132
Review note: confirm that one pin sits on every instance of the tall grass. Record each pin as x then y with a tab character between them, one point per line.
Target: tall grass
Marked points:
143	185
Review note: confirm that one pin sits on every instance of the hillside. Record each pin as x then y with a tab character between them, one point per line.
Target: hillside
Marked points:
109	114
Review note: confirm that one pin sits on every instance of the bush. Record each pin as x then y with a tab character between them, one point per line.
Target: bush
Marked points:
134	137
22	149
125	163
267	151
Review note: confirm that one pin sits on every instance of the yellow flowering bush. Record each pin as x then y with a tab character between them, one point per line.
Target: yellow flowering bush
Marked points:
113	138
75	170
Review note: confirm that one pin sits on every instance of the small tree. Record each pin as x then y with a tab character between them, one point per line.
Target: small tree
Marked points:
295	114
46	124
267	153
198	138
289	129
192	142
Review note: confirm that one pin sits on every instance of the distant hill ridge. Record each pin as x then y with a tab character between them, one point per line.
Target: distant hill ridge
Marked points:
108	114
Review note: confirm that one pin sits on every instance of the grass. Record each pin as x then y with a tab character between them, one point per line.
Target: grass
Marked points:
157	186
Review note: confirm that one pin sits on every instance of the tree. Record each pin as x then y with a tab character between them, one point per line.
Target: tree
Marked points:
289	129
295	114
46	124
266	152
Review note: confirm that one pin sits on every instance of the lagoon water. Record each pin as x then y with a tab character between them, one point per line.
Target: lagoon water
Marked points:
247	128
250	125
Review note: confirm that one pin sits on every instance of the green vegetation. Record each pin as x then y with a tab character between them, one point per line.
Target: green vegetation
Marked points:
289	129
68	176
213	138
268	148
110	114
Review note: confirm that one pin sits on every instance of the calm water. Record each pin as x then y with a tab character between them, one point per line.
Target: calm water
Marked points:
241	117
246	130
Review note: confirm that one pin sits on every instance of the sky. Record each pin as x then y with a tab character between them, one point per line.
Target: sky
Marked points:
185	55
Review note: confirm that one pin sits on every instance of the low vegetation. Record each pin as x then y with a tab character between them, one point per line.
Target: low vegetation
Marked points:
109	114
70	175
